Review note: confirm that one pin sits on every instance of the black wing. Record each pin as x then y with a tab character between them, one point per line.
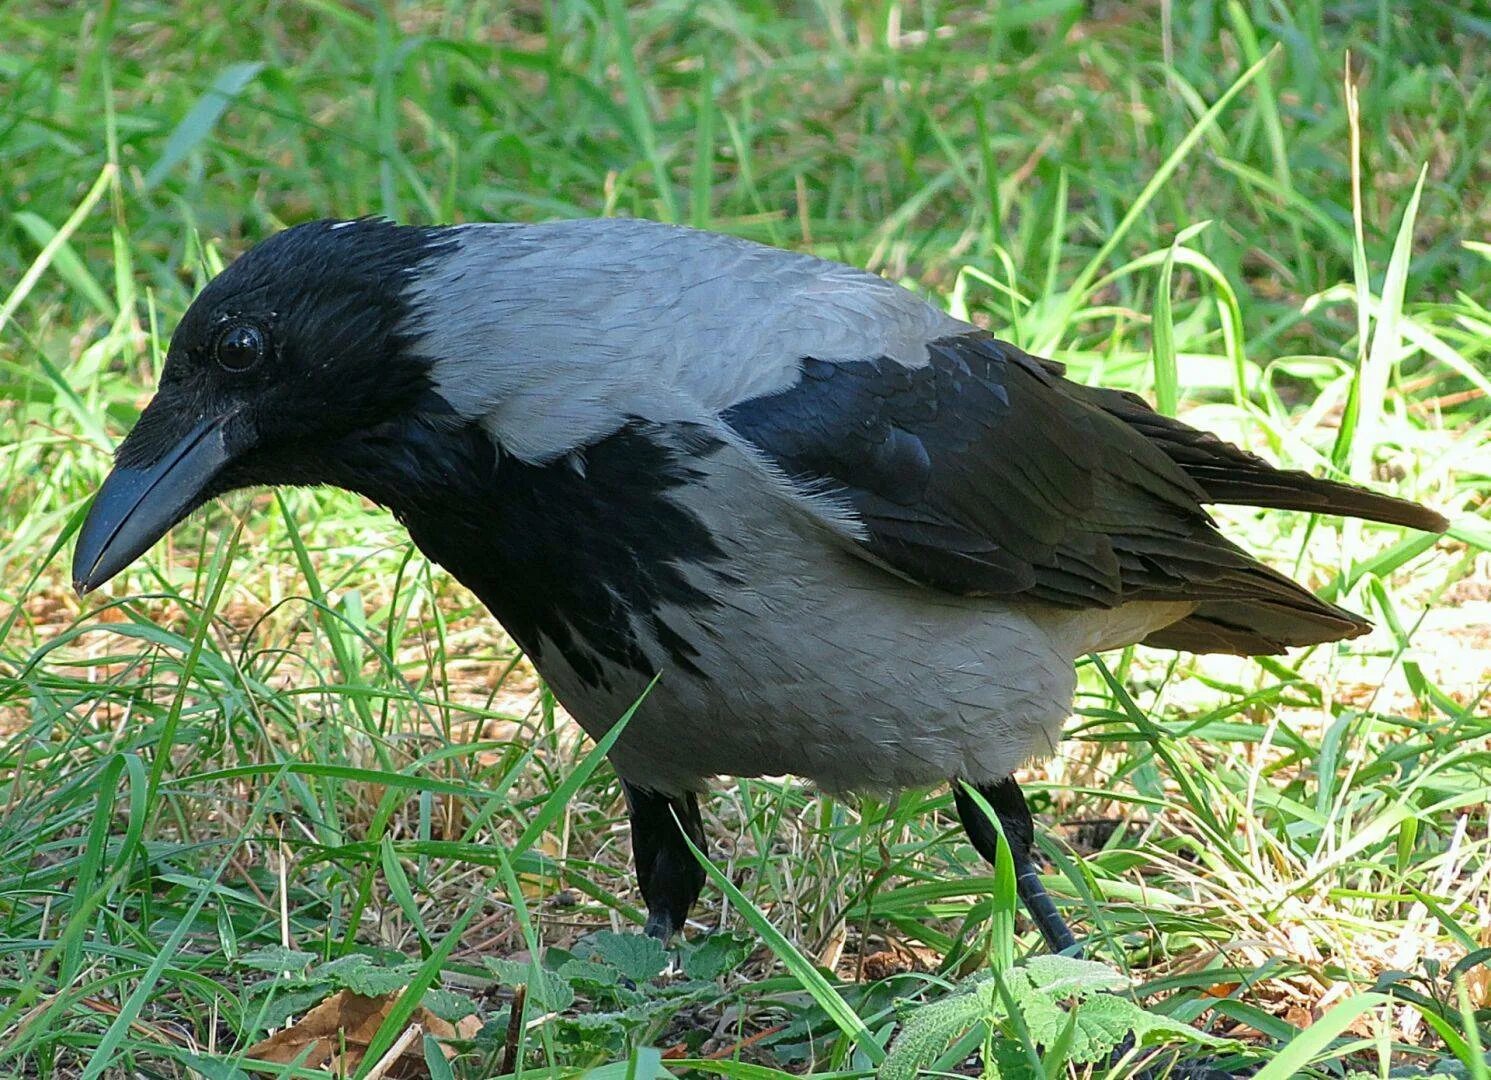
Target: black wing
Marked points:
985	472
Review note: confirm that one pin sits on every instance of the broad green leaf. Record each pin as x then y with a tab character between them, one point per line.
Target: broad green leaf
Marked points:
211	1068
359	974
589	973
550	993
1103	1020
279	1005
716	955
276	959
930	1028
448	1005
636	956
435	1060
1064	976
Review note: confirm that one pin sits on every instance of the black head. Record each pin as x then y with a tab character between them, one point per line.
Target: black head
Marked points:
299	345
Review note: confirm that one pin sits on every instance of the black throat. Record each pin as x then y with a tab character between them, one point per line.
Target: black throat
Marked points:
580	555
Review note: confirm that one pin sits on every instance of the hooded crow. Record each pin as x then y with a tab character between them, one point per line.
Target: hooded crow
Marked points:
854	538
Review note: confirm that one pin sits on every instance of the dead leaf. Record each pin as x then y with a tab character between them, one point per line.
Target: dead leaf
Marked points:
1221	989
884	964
1299	1016
335	1035
1478	978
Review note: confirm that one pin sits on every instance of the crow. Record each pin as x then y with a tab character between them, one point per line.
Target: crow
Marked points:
837	532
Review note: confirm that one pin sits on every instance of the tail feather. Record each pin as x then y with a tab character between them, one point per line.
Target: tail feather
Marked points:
1243	606
1232	475
1251	609
1257	627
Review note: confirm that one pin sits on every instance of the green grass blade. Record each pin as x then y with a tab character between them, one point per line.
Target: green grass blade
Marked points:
102	1057
198	124
800	967
1003	895
28	280
1309	1045
409	998
70	268
1162	334
554	805
1076	293
639	108
400	890
1370	387
701	202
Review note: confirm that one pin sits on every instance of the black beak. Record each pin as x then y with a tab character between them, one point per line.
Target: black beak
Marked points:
137	505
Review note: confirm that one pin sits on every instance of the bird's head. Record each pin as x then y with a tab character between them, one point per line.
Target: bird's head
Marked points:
299	345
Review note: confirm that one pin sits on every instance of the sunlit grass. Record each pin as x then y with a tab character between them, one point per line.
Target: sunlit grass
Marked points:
285	729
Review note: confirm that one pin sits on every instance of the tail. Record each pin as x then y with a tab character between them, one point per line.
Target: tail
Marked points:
1252	627
1250	609
1232	475
1272	613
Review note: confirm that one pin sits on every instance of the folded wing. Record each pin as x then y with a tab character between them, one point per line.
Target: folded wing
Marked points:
984	472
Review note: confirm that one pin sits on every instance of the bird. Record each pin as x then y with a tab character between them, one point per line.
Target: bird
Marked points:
805	521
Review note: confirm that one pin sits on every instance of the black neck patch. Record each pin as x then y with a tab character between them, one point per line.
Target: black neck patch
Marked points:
582	559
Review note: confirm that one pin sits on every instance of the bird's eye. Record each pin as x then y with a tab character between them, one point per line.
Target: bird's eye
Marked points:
239	347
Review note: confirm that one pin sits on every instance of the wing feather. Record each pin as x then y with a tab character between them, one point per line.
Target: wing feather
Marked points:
985	472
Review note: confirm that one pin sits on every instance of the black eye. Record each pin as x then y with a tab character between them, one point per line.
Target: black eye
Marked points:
239	347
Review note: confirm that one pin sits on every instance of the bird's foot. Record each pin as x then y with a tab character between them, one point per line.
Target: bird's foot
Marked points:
661	926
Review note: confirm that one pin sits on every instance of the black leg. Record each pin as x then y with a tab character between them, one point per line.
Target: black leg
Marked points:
1008	802
670	876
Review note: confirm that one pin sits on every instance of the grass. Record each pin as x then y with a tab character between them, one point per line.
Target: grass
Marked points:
284	755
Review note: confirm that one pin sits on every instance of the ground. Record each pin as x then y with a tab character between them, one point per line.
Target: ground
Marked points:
283	757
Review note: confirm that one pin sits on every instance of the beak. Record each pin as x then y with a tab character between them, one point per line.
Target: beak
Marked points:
137	505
